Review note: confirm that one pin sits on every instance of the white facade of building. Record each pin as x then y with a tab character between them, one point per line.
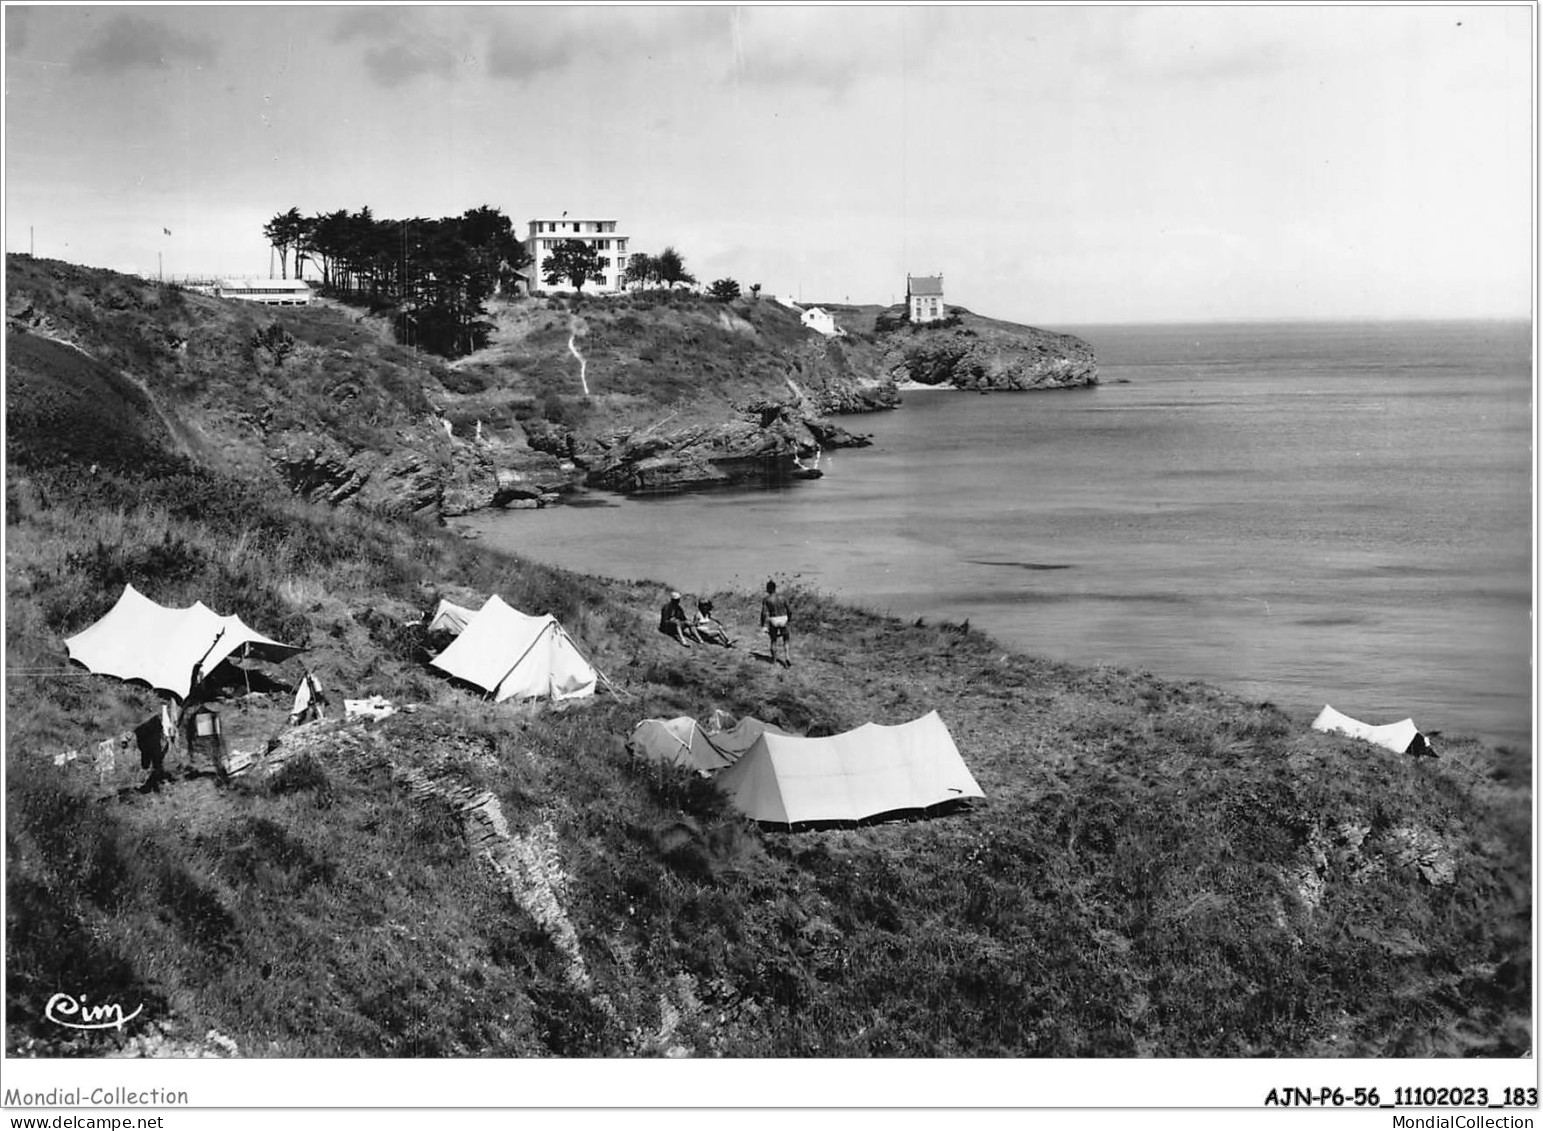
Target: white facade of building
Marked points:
274	292
924	297
545	235
821	322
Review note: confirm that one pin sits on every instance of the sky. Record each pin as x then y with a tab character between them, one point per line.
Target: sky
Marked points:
1063	165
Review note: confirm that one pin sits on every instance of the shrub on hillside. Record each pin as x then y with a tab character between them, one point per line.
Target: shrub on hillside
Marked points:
466	381
274	341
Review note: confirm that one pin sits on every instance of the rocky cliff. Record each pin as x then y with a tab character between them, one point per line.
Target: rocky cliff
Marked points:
971	352
645	392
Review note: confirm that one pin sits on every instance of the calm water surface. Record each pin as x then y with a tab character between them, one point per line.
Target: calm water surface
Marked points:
1307	514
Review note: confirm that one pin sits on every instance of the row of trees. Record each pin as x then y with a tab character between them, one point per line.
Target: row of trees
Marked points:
438	274
575	262
727	290
667	269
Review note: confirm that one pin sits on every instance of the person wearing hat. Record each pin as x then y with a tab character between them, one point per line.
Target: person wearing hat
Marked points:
707	630
673	622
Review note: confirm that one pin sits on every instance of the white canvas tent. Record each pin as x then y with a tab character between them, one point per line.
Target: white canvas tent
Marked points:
1397	737
450	618
685	742
141	640
515	656
849	777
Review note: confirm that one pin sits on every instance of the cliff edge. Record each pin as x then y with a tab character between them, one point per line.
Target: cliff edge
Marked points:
651	391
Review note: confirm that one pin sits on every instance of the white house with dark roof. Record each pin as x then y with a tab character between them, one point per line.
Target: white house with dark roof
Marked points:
924	297
545	235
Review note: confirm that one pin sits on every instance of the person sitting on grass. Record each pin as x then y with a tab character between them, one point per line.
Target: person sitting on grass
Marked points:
709	631
673	621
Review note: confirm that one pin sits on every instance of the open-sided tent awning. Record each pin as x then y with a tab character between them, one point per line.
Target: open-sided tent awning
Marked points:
849	777
1396	737
513	655
684	742
141	640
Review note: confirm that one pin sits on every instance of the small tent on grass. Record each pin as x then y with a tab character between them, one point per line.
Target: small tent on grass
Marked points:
141	640
684	742
1399	737
849	777
512	655
450	618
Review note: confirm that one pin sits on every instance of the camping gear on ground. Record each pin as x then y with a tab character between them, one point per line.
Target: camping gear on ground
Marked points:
375	707
512	655
450	618
863	773
309	700
169	649
685	742
1400	737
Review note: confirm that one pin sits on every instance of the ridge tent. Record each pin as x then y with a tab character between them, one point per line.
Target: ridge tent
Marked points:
513	655
849	777
141	640
1398	737
683	742
450	618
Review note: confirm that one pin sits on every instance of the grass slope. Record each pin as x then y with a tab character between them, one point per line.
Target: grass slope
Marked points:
1159	869
237	384
649	356
228	377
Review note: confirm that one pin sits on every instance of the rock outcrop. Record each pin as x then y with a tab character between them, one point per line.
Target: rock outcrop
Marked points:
495	472
765	444
981	353
408	480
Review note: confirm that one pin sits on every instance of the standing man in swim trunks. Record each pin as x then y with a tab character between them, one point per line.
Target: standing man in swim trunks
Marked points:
775	615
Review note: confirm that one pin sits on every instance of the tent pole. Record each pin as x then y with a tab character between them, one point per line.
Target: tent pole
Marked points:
521	660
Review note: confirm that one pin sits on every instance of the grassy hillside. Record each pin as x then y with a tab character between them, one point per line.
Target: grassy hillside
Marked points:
321	400
652	353
233	378
1158	869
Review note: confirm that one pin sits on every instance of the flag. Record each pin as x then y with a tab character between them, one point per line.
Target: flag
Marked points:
166	230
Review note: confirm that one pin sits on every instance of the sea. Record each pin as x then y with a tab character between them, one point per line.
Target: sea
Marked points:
1306	514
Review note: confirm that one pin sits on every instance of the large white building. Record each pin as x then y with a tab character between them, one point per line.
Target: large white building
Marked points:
272	292
545	235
